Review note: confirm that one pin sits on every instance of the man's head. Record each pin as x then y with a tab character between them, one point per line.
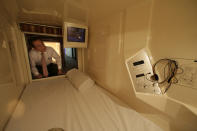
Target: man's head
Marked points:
38	45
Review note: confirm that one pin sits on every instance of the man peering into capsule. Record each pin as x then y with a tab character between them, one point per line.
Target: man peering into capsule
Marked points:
41	60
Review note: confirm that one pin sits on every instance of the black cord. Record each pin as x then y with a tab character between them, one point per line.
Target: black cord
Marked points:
172	69
169	72
168	87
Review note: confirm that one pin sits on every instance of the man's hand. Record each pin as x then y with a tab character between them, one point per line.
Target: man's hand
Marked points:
39	76
60	72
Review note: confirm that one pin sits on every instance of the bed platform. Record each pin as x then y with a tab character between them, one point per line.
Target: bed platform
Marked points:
56	103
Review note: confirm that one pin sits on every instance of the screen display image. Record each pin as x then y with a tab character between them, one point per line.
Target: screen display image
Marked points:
75	34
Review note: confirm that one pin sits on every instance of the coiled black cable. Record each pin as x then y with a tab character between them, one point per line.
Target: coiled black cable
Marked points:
171	66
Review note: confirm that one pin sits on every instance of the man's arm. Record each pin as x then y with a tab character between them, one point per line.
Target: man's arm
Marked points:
33	66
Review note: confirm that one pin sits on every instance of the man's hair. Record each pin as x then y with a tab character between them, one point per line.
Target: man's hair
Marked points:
34	39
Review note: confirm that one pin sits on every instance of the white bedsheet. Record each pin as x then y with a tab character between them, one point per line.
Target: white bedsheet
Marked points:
56	103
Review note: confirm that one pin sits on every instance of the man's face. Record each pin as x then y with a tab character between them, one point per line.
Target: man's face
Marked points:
39	45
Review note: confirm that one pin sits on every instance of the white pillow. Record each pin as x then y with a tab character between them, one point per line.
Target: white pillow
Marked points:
80	80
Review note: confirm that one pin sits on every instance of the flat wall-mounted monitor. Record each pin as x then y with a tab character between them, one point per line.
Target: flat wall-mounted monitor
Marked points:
75	35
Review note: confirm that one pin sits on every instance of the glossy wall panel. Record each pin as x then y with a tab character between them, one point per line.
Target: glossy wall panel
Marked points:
136	27
105	63
174	29
12	76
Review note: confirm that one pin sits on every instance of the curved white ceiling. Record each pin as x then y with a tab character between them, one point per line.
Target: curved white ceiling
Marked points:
56	11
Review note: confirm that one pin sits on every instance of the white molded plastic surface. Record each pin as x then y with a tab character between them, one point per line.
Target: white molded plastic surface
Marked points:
187	73
140	70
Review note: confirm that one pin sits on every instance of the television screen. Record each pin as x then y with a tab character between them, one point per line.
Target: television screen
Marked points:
75	34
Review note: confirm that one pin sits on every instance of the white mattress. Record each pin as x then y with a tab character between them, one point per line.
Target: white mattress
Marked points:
57	104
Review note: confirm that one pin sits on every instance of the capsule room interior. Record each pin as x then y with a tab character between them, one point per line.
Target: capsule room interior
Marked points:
117	31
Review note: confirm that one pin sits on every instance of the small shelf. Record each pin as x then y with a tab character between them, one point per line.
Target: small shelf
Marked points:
45	34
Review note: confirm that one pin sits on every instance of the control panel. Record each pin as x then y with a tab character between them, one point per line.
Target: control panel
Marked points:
140	71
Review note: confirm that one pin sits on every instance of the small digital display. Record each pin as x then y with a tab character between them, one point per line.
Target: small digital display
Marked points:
139	75
75	34
138	63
